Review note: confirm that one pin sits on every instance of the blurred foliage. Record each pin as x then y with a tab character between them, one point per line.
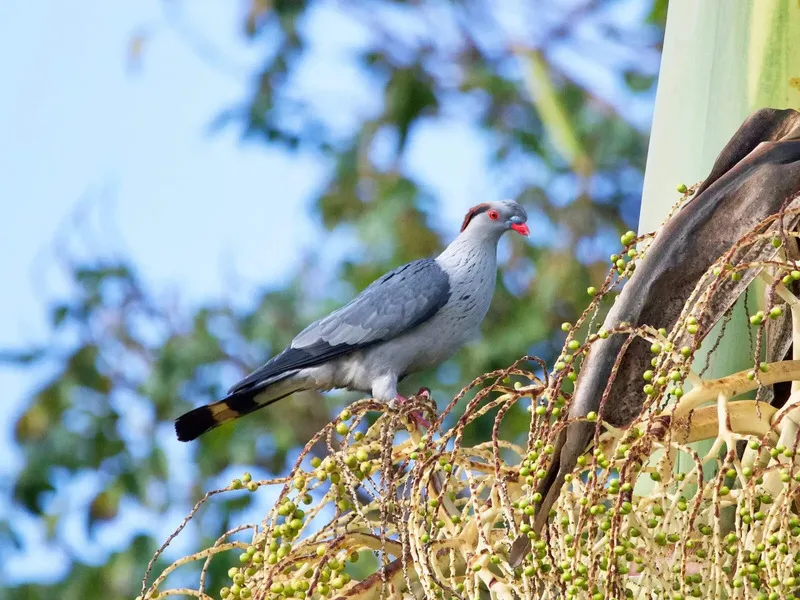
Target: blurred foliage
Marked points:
123	362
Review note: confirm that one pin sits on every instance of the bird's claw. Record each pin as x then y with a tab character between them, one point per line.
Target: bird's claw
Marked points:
416	416
419	420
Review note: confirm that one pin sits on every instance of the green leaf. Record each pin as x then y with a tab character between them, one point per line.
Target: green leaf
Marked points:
60	313
409	96
105	505
638	82
29	487
557	123
82	369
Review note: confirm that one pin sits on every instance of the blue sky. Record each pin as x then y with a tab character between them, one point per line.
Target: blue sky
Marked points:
129	153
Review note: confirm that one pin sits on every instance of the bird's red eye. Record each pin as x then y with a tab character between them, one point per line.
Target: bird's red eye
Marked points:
494	215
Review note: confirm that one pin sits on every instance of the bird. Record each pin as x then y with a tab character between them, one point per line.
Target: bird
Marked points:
412	318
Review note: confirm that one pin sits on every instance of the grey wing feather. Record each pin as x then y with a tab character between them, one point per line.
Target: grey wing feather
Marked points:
391	305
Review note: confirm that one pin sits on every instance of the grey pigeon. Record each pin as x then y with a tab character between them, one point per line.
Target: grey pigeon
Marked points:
413	318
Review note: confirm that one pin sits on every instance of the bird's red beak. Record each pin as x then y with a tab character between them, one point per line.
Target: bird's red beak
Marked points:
521	228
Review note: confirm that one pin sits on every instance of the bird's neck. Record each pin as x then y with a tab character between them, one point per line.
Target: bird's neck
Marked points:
468	247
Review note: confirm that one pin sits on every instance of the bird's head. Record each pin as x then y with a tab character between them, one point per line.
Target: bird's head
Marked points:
496	218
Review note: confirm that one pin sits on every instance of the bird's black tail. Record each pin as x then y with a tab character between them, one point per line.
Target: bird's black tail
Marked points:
195	423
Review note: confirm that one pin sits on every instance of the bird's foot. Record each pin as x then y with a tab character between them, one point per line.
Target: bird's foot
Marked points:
416	416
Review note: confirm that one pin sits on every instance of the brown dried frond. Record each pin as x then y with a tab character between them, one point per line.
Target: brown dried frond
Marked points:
646	514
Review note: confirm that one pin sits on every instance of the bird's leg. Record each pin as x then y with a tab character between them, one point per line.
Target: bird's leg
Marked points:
416	416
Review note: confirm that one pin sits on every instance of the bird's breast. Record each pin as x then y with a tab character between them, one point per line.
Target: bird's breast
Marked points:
472	284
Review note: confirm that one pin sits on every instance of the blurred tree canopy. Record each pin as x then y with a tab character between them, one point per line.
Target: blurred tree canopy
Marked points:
549	85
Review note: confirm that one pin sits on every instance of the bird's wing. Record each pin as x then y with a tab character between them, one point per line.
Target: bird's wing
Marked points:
391	305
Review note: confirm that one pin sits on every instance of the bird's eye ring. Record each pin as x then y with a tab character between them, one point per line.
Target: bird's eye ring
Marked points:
494	215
